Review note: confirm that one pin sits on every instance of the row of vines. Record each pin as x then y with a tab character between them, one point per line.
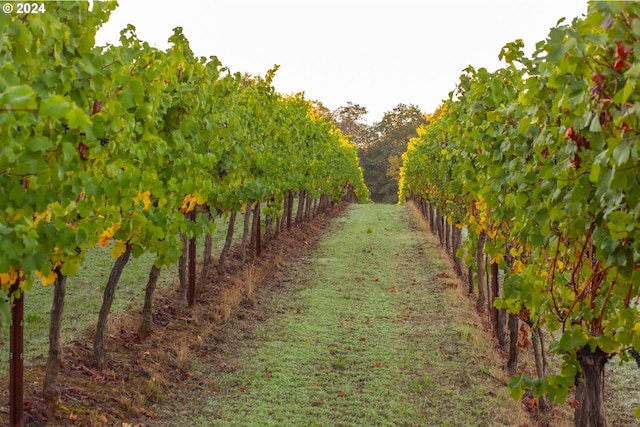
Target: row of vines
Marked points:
142	149
539	162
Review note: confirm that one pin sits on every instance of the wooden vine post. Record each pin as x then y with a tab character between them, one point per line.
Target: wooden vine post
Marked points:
16	363
494	294
191	273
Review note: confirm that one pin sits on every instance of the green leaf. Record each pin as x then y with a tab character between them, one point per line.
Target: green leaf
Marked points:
635	27
607	344
5	311
137	91
595	126
572	339
39	144
633	71
622	95
617	224
54	106
77	118
635	342
594	174
21	96
517	386
70	267
622	152
82	235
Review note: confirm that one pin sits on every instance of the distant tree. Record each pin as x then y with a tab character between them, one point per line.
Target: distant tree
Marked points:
393	171
380	157
323	111
350	119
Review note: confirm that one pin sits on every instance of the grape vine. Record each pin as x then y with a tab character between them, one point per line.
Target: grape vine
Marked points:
110	142
541	157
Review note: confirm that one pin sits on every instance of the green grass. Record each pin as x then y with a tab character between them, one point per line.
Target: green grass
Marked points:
622	395
370	337
84	296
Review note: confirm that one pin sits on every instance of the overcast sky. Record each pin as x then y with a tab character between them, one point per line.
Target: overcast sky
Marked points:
373	53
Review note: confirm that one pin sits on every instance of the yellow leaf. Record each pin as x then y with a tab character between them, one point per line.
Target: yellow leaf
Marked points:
513	252
118	249
188	203
104	239
518	266
46	216
108	234
9	278
145	198
49	279
492	234
559	264
496	259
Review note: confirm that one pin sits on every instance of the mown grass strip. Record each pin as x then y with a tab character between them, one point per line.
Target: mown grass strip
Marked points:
375	335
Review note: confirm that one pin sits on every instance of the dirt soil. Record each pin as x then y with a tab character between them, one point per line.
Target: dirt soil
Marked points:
151	383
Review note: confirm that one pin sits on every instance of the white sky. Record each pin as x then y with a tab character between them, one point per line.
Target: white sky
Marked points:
373	53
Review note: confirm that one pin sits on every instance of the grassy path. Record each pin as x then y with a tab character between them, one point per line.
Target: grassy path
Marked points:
369	332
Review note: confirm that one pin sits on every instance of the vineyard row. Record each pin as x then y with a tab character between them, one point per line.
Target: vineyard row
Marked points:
539	161
143	148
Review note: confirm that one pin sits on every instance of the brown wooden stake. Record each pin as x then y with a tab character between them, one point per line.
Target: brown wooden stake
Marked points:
257	219
289	209
16	365
227	242
191	275
494	295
